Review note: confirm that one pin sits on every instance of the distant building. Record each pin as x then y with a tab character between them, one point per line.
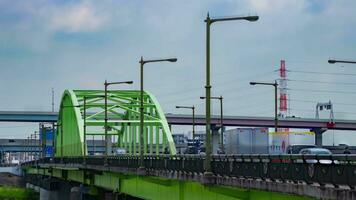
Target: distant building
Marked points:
181	142
246	141
180	138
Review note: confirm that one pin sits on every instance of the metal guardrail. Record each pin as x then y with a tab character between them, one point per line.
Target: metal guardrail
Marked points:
322	169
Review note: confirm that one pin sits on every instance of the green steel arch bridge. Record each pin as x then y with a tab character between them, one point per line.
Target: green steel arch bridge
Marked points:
78	119
163	174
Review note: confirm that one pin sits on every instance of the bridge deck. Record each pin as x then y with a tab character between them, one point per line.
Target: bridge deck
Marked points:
174	119
231	170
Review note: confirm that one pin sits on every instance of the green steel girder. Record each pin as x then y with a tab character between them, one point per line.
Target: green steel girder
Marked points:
157	188
123	119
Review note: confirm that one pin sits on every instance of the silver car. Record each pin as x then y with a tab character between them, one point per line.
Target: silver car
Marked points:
317	151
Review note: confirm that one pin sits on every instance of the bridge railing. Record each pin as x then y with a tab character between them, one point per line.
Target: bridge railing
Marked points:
322	169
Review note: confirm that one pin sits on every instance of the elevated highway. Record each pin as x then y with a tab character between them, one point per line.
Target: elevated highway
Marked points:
177	119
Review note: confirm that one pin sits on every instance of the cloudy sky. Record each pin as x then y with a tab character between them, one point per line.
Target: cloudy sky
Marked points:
77	44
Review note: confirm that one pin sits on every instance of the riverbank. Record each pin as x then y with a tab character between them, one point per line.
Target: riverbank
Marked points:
17	193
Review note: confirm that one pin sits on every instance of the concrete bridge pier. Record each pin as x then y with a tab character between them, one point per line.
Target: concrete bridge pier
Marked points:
72	193
49	195
99	193
92	193
110	196
215	139
319	136
76	193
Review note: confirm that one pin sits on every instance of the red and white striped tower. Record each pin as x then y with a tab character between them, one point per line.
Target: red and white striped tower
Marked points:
282	90
284	132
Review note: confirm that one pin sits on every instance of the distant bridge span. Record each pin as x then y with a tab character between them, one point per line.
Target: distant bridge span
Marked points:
177	119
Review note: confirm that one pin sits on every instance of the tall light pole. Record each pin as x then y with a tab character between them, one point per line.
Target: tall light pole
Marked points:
341	61
35	147
106	84
27	149
208	22
275	85
220	98
193	115
142	63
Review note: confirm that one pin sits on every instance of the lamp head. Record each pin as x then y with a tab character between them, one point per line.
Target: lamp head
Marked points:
331	61
202	97
252	83
251	18
172	59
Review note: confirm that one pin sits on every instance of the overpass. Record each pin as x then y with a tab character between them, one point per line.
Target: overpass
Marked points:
178	119
319	126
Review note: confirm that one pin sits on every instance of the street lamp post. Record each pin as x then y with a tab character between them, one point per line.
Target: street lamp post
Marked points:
106	84
29	138
193	115
275	85
142	63
35	147
220	98
42	140
31	148
341	61
27	149
208	22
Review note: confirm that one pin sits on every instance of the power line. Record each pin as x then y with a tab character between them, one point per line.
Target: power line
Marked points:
322	91
326	73
308	110
267	111
337	103
220	88
249	106
323	82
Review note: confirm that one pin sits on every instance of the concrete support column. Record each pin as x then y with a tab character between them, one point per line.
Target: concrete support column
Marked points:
215	138
75	193
110	196
319	136
49	195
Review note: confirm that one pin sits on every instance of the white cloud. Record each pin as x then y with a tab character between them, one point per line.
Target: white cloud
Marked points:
76	18
274	5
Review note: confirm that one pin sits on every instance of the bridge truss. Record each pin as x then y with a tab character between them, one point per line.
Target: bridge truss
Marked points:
78	120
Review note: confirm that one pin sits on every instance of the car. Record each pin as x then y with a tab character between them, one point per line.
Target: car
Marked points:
120	151
295	149
316	151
